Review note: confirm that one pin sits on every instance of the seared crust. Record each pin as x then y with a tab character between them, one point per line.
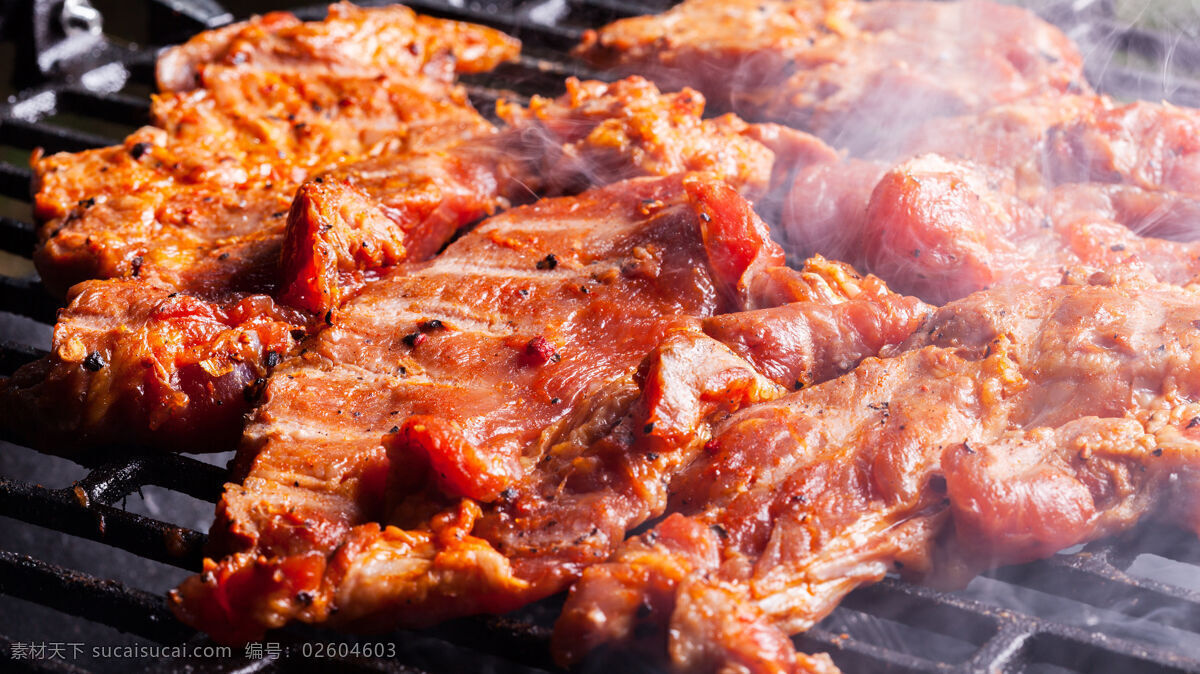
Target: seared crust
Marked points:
368	215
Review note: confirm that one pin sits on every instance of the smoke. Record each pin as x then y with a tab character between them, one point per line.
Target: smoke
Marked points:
1082	180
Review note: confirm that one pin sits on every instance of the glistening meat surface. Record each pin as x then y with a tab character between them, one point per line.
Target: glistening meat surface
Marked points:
1034	189
857	74
185	220
350	42
1015	423
361	217
474	431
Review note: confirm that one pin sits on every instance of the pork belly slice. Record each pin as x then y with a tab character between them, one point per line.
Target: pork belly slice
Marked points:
820	336
940	228
135	363
474	430
597	133
857	74
222	166
350	42
195	208
346	225
365	216
1015	423
199	210
1149	145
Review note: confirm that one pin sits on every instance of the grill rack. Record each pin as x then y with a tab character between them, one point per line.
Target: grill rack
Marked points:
997	638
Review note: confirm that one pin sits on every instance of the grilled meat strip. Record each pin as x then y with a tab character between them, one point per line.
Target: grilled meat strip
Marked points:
857	74
944	229
597	133
1015	423
187	218
366	216
1040	187
137	363
217	173
473	431
350	42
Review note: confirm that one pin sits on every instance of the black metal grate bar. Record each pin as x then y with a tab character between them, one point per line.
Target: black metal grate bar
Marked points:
79	594
26	297
14	355
29	135
118	108
70	511
14	181
17	237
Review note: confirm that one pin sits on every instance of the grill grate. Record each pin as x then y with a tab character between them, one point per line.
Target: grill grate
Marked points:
996	625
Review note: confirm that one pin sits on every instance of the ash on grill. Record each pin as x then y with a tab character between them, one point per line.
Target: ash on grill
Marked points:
1123	605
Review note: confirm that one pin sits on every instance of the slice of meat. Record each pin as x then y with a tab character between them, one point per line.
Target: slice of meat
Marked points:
857	74
474	430
313	119
941	229
597	133
348	223
222	168
1153	146
135	363
805	342
195	207
1013	136
369	215
450	380
1015	423
715	46
349	42
825	209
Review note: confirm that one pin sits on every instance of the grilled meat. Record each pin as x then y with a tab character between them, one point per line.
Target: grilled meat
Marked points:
597	133
857	74
192	213
473	431
137	363
220	169
365	216
1024	192
1014	424
351	42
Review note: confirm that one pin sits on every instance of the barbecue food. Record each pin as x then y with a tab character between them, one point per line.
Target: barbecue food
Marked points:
467	431
220	170
1039	188
187	219
138	363
351	42
857	74
266	104
598	133
473	431
1014	424
361	217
